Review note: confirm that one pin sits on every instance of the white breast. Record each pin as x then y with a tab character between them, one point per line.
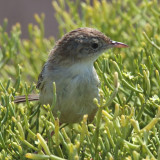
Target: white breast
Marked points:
77	86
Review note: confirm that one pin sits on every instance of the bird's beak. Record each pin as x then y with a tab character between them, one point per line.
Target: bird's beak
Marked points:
118	44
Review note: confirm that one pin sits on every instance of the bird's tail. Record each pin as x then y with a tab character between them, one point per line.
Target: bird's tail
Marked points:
31	97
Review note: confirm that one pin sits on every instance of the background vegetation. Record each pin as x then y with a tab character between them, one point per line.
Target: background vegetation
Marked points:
126	127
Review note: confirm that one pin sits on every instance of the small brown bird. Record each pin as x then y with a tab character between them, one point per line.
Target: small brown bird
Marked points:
70	66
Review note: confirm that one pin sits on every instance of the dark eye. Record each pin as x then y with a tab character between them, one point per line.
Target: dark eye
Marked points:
94	45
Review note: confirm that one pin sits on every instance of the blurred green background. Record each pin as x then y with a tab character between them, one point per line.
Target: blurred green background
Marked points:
128	128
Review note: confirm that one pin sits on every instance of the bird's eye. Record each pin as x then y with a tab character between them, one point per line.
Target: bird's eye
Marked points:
94	45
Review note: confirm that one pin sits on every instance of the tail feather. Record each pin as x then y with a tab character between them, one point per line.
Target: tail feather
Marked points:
31	97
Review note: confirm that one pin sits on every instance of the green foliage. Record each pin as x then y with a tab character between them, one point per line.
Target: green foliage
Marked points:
126	123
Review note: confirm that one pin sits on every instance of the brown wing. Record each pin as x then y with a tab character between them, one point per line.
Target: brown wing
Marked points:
40	78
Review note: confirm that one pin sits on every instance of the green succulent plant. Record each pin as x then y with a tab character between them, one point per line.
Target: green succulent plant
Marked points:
126	125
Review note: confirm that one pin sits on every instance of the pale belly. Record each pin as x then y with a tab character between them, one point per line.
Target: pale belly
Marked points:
74	98
74	103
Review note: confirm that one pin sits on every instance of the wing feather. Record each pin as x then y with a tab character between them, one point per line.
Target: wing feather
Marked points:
41	78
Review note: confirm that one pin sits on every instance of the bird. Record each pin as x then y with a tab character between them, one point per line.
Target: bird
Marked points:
70	65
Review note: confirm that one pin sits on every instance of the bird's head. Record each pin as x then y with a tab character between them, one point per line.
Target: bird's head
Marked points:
84	44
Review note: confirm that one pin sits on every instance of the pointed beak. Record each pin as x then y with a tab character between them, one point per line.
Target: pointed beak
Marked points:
118	44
